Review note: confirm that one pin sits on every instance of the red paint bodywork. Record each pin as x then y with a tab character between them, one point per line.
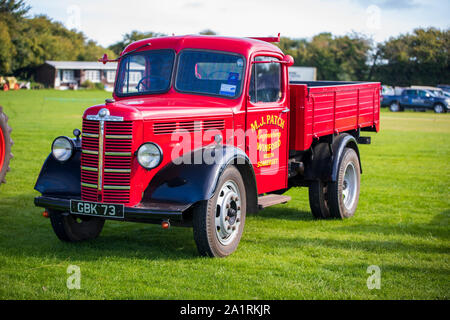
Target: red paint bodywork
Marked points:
314	112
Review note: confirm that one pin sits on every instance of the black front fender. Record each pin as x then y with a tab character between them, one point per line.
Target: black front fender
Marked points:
192	181
61	178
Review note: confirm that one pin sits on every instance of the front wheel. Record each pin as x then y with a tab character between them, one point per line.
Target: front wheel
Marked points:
218	223
344	192
70	228
5	145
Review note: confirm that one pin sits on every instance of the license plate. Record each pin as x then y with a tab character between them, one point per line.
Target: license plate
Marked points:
96	209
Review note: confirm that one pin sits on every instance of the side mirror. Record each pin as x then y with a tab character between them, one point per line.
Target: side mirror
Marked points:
288	60
105	59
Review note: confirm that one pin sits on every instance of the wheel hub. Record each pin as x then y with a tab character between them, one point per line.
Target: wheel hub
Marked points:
228	212
349	186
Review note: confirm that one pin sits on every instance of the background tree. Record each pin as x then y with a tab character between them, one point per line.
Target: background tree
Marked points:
26	43
207	32
133	36
420	58
12	14
336	58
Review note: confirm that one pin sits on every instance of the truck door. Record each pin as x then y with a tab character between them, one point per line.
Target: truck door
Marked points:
409	98
267	123
426	99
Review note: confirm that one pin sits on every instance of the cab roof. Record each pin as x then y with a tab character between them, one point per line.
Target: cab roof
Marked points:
244	46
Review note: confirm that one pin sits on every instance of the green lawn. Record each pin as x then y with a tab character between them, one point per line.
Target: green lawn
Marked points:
402	225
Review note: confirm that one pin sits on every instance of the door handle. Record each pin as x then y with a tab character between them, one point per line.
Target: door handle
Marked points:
286	110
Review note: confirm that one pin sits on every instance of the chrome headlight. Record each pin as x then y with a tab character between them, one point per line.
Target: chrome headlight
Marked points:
62	148
149	155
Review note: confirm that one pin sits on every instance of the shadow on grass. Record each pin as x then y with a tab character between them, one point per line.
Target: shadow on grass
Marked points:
373	246
438	228
24	232
280	213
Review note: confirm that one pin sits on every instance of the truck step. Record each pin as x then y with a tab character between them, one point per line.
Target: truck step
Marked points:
271	200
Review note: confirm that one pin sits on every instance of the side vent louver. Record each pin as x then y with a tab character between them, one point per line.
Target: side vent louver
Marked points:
189	126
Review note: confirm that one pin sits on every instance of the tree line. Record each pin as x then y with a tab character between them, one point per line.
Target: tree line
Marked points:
25	43
420	57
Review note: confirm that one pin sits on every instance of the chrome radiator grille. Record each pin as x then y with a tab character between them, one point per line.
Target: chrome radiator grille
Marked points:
106	161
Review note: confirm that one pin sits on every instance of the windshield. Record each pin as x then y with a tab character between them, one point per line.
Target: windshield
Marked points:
211	73
145	72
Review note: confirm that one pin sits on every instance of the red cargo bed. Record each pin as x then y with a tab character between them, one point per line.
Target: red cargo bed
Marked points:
320	108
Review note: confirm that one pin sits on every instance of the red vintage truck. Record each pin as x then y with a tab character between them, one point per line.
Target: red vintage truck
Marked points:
202	130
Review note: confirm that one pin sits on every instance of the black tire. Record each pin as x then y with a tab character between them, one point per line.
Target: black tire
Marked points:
318	200
205	212
339	206
5	146
395	107
439	108
69	228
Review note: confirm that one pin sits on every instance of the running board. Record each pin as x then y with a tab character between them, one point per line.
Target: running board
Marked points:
271	200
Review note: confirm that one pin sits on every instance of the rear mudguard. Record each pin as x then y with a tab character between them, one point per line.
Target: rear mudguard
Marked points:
193	181
340	143
324	164
61	179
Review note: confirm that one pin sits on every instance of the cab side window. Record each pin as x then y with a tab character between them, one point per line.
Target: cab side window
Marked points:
424	94
411	93
265	82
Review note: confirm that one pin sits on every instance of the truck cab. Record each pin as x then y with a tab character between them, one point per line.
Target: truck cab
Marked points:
202	130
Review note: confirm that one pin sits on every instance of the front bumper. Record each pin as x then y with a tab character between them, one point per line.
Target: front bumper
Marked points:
151	212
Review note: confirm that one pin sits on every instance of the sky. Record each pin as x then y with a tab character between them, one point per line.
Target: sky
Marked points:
106	21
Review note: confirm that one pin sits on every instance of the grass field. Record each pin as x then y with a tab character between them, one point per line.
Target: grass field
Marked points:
402	226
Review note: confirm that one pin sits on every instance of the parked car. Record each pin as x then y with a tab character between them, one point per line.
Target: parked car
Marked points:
418	99
444	87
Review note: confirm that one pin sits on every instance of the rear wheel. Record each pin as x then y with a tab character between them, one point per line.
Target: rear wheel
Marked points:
5	146
218	223
318	200
344	192
439	108
70	228
395	107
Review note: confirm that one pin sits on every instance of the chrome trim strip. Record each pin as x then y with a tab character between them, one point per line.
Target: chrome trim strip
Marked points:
119	154
116	187
118	170
118	136
106	118
89	185
90	135
104	115
89	152
89	169
100	152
